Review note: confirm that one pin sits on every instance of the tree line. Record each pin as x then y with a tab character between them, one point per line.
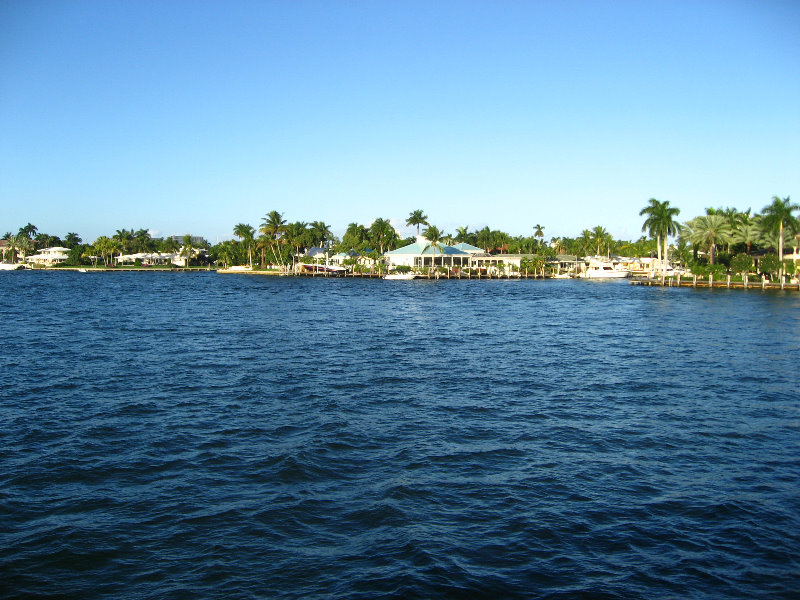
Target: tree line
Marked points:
720	239
727	239
28	240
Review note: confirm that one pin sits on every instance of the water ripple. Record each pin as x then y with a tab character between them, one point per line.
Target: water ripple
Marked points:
175	435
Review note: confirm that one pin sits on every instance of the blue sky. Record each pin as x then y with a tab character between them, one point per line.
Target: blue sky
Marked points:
190	117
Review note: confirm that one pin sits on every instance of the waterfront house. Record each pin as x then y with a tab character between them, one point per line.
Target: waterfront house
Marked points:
497	263
315	254
150	258
49	256
347	259
421	254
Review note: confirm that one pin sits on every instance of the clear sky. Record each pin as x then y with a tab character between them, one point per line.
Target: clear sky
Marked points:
192	116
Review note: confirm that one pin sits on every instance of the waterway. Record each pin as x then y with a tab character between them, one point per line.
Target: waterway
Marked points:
182	435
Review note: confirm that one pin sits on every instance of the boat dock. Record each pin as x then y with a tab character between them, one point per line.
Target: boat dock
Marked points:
694	282
459	275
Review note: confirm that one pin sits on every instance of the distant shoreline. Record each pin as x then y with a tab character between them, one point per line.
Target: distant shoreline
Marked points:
668	282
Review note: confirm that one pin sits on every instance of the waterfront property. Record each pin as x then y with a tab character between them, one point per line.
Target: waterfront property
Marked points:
151	258
341	259
422	254
600	267
49	256
178	258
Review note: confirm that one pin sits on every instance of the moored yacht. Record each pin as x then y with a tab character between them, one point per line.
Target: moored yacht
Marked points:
601	268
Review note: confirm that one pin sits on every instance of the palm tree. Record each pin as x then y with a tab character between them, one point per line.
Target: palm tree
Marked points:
501	240
124	239
297	236
709	230
114	248
99	248
262	243
187	251
72	239
778	216
748	233
142	240
226	253
417	217
434	238
600	237
538	263
736	220
170	245
651	223
246	233
538	233
484	239
29	231
355	238
320	233
45	240
11	248
382	234
586	241
462	233
24	245
660	224
105	247
273	227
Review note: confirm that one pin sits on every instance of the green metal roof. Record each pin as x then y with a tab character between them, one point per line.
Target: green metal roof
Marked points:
467	247
427	250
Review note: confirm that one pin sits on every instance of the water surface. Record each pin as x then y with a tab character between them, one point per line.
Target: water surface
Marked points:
177	435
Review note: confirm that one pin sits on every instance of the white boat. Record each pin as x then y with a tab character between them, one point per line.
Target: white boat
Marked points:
605	269
10	266
400	276
324	269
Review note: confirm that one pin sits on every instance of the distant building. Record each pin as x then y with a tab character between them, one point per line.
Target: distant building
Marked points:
421	254
197	241
151	258
49	256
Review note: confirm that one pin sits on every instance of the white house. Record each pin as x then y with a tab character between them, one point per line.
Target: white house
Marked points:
339	260
151	258
421	254
49	256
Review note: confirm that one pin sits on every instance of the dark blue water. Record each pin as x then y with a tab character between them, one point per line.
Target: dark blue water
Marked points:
201	435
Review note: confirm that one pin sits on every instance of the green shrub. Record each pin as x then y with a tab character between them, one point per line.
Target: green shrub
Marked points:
769	265
741	263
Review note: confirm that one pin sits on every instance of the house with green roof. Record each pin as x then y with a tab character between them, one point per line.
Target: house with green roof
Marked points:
422	254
